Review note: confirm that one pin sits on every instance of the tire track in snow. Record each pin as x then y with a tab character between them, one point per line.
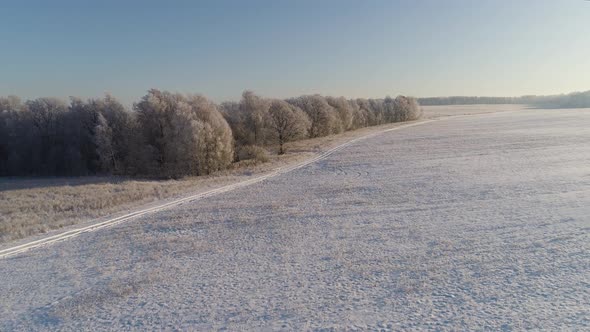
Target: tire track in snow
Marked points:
4	253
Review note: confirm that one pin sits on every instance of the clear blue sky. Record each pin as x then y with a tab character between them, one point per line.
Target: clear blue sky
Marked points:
285	48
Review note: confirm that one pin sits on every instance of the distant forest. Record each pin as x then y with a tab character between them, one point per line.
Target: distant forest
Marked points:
572	100
170	135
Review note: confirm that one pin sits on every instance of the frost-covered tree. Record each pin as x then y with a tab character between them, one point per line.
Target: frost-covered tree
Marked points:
15	137
185	134
344	109
406	109
237	122
155	114
254	109
79	124
360	115
103	138
377	110
172	134
287	122
366	110
215	139
324	118
125	140
415	111
48	150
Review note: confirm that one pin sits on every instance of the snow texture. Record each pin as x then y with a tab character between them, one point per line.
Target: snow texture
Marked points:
473	223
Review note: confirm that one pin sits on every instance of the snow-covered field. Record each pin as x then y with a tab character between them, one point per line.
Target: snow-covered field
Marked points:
472	223
42	206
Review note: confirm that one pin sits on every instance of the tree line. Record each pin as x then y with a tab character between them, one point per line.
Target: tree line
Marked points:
169	134
571	100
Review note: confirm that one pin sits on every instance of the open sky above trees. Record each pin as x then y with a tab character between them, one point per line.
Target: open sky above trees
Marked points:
288	48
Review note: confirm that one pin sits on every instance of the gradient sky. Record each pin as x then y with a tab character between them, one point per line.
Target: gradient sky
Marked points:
286	48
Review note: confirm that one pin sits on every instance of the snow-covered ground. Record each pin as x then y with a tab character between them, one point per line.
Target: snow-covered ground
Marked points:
473	223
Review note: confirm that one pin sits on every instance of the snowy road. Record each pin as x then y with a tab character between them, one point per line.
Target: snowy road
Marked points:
473	223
